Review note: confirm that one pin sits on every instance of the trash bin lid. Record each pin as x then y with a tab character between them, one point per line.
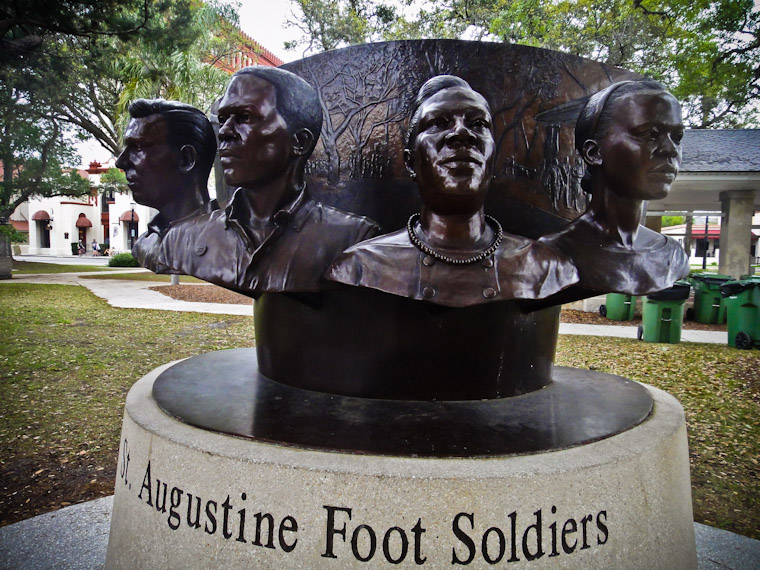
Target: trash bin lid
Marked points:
678	292
710	278
731	288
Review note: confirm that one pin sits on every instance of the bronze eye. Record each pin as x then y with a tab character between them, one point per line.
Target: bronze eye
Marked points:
439	123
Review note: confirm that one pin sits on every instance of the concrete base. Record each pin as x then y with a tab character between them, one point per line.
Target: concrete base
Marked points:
189	498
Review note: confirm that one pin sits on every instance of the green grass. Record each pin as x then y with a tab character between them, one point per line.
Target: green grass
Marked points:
719	389
34	267
67	360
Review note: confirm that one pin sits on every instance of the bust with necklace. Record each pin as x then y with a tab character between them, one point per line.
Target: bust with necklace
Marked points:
451	253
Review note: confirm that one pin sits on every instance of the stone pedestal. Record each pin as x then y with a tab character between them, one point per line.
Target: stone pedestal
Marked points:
191	498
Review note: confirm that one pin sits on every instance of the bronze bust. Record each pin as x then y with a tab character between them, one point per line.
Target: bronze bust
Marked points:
452	253
271	237
629	136
169	149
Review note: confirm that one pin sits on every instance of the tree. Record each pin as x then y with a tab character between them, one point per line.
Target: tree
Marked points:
706	53
328	24
113	180
33	153
74	70
672	221
33	27
173	58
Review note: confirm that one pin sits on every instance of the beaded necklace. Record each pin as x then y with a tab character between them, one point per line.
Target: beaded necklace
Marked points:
497	231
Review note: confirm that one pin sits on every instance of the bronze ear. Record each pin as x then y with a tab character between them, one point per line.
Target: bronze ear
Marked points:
303	140
187	158
591	153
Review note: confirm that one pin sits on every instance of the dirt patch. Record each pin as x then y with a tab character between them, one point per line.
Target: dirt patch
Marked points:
203	294
44	484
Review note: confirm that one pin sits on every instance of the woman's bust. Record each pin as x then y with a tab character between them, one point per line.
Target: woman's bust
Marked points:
451	253
629	136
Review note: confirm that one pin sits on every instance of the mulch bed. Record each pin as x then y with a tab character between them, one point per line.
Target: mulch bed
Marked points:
202	293
582	317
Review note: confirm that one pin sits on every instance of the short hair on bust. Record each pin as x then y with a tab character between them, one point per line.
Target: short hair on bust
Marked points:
185	125
428	89
297	101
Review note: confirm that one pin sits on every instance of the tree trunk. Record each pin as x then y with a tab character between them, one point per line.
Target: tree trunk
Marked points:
687	237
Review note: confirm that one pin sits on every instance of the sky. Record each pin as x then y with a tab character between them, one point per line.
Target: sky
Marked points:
263	20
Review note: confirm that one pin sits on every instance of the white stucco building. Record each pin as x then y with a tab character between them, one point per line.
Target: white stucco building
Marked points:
57	223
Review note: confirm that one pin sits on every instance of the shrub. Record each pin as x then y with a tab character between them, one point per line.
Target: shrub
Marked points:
123	260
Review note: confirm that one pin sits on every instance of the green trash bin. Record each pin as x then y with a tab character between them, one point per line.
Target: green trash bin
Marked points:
708	305
662	314
618	307
742	300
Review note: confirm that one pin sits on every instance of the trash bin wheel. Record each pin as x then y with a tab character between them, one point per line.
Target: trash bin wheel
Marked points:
640	332
743	340
690	313
603	310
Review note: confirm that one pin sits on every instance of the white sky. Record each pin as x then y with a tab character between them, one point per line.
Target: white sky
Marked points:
263	20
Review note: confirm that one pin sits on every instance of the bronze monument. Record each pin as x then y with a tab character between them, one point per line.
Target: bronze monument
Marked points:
425	335
629	136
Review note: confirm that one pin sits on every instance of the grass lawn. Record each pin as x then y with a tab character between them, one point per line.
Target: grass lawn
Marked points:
719	389
34	267
68	359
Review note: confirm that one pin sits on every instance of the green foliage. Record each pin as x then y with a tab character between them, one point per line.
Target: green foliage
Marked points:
328	24
12	234
36	160
113	180
707	53
668	221
84	74
123	260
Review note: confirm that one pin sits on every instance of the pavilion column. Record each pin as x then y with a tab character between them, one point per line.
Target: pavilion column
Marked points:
737	208
654	223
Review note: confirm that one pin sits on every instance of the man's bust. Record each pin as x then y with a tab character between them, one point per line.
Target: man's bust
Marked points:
272	237
169	148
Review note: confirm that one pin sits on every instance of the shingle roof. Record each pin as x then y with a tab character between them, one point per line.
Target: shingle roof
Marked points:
721	150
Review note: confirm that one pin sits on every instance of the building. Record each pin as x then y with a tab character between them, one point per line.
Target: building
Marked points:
250	53
720	179
57	224
707	252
